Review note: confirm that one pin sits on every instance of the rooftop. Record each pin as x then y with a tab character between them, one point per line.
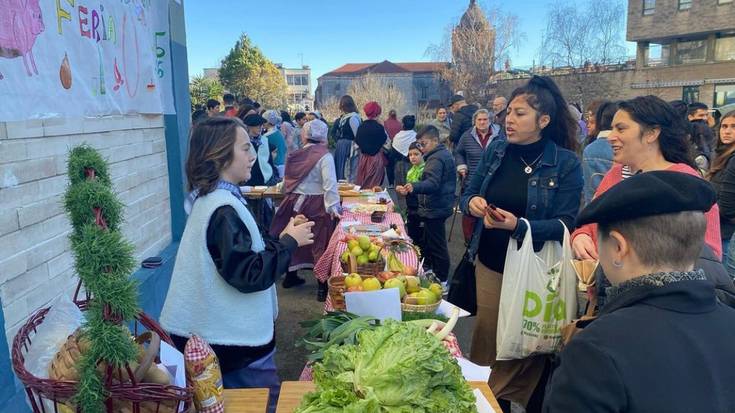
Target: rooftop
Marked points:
387	67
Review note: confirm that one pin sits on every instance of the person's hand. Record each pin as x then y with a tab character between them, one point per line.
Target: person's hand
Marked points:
477	206
300	219
408	188
584	248
301	233
401	190
510	222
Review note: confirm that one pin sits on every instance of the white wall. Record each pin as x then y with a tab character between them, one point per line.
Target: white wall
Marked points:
35	262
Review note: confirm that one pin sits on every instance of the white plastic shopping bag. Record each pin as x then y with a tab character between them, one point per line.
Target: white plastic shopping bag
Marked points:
538	297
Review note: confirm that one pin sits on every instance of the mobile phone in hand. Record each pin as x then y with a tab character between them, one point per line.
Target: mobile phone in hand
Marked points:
492	210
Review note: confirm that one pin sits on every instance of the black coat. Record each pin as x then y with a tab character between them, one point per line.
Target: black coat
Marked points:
435	190
461	122
667	348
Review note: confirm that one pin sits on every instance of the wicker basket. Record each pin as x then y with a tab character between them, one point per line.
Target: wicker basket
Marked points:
337	290
124	397
420	308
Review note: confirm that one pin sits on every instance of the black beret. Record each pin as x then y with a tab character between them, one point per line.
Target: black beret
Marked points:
254	120
647	194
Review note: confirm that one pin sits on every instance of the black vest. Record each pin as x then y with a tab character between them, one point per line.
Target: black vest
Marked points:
345	131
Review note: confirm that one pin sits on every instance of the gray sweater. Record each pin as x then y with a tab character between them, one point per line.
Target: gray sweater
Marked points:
468	153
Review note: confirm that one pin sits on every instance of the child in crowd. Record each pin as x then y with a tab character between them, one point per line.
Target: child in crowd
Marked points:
223	283
413	223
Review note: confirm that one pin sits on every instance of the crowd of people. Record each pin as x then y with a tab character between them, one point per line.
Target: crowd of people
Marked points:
645	186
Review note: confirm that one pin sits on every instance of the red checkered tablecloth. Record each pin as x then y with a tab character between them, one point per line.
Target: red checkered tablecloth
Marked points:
329	263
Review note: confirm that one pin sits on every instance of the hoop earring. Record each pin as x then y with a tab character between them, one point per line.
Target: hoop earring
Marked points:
617	264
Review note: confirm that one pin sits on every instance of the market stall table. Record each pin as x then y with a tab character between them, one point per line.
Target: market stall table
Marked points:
246	400
293	391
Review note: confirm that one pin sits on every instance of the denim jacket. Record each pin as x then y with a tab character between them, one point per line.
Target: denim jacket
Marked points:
554	191
596	161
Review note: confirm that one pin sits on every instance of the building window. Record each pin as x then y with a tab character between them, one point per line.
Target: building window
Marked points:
649	7
694	51
658	55
685	4
424	90
724	95
725	48
690	94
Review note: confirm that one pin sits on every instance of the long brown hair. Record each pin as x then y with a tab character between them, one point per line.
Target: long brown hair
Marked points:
211	149
722	151
347	104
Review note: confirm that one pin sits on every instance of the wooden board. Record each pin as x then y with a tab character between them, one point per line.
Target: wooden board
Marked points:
246	400
293	391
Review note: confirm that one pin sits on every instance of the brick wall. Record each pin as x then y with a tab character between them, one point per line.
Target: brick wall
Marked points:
617	84
668	21
35	262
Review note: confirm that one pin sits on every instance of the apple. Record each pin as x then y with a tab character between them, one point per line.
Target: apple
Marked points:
370	284
357	251
354	288
437	289
364	242
373	256
362	259
425	296
353	280
412	284
345	257
396	283
352	244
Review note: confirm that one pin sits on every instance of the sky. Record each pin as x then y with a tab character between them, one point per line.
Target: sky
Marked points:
326	34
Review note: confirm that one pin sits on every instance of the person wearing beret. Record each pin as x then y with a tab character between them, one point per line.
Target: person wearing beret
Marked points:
310	188
371	137
534	173
663	342
647	135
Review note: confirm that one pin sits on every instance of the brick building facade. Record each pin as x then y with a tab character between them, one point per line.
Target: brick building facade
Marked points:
685	50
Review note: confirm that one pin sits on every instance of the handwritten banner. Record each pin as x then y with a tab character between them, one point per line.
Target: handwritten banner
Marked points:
84	58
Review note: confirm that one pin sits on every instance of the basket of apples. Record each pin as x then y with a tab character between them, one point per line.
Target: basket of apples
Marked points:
366	255
417	293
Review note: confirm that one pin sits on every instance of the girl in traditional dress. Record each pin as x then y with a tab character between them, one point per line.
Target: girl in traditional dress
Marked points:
371	137
310	185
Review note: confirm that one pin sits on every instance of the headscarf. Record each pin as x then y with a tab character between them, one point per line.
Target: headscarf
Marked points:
316	130
273	117
372	109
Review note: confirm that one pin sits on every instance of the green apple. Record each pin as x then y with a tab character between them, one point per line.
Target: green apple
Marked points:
370	284
345	257
353	280
396	283
362	259
364	242
436	288
373	256
425	297
352	244
357	251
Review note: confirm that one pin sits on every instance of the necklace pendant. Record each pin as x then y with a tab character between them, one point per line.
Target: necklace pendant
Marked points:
527	170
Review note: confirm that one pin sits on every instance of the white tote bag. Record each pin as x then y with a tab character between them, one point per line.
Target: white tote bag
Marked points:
538	297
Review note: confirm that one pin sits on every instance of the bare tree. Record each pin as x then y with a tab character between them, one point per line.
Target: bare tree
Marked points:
371	87
476	45
574	37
